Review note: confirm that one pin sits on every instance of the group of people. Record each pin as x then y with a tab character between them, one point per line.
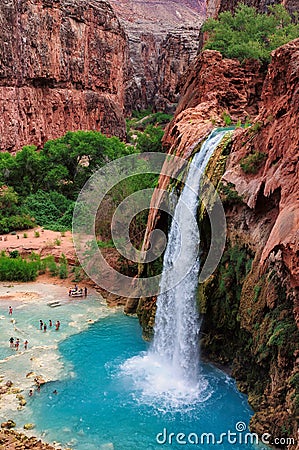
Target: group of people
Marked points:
43	325
16	343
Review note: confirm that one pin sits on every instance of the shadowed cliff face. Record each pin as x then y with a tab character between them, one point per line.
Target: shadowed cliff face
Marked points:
163	39
252	299
62	68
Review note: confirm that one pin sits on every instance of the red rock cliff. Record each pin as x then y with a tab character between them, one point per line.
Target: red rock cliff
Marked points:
62	68
214	86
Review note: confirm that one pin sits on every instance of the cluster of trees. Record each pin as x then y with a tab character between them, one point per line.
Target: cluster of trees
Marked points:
247	34
39	187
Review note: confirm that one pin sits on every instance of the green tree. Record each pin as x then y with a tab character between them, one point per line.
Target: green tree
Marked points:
150	140
247	34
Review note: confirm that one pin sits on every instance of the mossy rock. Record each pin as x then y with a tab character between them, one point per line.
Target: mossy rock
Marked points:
28	426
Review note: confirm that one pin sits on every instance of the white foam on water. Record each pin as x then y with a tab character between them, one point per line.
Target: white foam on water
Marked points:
155	383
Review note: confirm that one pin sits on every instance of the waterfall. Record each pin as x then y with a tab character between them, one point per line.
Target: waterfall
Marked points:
177	321
168	374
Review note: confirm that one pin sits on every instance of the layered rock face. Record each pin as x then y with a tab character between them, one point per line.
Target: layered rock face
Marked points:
214	87
163	39
252	300
62	67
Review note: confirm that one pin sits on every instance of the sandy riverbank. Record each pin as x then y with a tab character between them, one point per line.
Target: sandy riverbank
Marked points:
43	242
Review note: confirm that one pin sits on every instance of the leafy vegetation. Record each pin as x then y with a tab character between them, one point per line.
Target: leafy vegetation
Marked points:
51	210
253	162
40	187
17	269
150	139
247	34
228	193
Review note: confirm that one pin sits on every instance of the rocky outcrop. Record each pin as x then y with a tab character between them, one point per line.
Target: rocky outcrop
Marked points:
11	440
275	134
252	300
62	67
215	88
163	39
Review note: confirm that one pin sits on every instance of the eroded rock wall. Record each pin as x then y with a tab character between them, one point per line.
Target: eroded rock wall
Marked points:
163	40
62	67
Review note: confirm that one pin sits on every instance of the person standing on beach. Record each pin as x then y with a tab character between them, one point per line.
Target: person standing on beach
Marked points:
11	341
85	291
17	344
41	323
50	323
10	311
25	345
57	325
45	327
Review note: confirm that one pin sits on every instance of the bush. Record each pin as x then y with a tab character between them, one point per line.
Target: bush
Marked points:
247	34
63	272
150	140
17	269
19	222
51	210
253	162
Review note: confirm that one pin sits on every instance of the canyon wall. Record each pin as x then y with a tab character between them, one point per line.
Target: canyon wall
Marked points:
252	300
163	39
62	67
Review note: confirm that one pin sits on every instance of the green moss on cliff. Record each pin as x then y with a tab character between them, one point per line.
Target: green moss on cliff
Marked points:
220	296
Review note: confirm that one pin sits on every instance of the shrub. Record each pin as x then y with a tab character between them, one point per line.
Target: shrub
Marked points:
19	222
77	274
247	34
253	162
50	209
14	254
226	118
150	140
63	272
17	269
49	263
